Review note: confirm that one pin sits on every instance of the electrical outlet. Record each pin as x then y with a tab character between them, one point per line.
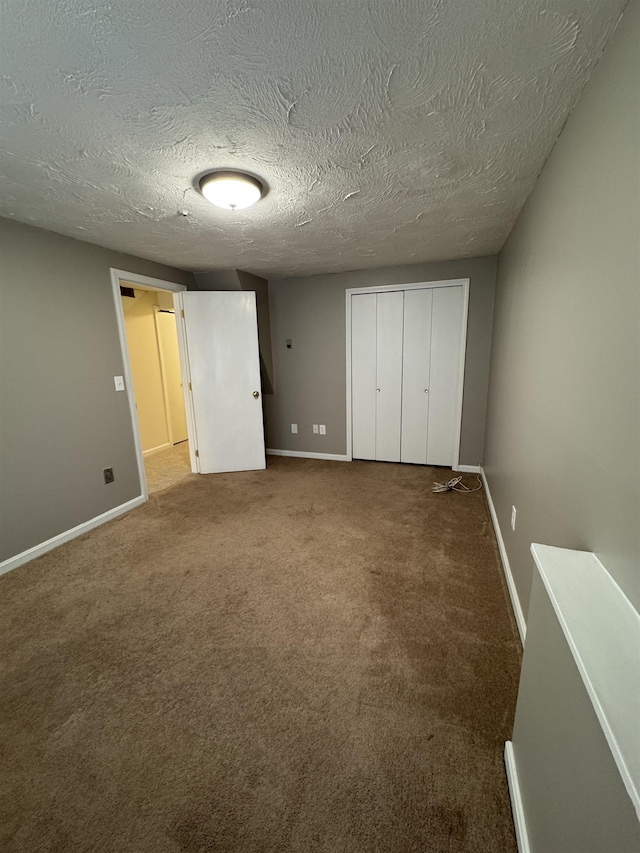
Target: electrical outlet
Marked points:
315	428
294	428
107	473
323	429
513	518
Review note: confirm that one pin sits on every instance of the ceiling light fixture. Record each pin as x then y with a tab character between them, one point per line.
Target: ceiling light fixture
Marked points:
231	190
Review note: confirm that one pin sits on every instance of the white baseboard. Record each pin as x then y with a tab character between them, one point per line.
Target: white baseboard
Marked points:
303	454
61	538
517	807
469	469
511	585
156	449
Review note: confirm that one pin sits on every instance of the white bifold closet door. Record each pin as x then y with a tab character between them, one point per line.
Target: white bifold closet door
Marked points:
405	373
377	321
416	374
445	374
363	375
376	347
389	314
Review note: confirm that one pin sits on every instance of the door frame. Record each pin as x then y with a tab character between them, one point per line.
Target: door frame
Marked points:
419	285
145	282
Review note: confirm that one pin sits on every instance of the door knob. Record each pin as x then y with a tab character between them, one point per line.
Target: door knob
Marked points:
426	390
256	394
378	390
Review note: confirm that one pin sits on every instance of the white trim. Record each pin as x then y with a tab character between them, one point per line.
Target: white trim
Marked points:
157	449
61	538
146	283
469	469
302	454
418	285
463	359
517	807
414	285
349	430
511	584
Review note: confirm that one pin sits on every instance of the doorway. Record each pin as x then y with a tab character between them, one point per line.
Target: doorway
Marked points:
152	339
154	378
217	340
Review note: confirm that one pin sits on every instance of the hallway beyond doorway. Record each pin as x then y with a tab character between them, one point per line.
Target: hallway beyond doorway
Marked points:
166	467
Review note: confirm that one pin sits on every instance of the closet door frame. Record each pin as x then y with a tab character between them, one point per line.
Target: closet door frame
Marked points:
421	285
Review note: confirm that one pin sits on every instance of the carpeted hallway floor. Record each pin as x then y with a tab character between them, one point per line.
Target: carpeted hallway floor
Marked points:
316	658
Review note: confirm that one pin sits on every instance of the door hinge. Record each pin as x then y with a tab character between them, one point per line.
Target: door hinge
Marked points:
197	453
182	313
190	387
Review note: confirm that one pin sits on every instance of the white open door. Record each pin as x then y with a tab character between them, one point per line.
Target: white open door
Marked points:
220	340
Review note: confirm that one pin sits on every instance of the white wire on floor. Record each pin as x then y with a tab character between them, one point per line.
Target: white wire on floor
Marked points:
456	485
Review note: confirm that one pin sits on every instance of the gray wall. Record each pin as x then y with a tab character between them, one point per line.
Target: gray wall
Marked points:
61	420
248	281
563	423
218	280
310	378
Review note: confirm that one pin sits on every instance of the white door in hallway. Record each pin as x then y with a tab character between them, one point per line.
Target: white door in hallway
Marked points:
171	374
220	335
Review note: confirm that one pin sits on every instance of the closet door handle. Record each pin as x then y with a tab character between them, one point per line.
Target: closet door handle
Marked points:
426	390
378	390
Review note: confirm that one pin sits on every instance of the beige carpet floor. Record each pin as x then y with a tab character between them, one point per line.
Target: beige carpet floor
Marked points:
317	658
167	467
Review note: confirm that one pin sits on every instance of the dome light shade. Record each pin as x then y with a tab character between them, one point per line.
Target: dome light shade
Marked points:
231	190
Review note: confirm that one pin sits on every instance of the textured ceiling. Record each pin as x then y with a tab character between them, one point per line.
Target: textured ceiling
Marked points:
387	132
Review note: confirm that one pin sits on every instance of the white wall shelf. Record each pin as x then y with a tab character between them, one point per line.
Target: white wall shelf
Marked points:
573	765
602	629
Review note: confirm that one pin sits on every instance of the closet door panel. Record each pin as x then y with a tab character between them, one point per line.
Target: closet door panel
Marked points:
415	375
446	342
389	324
363	375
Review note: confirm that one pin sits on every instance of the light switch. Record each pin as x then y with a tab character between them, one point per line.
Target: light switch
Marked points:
323	429
119	382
